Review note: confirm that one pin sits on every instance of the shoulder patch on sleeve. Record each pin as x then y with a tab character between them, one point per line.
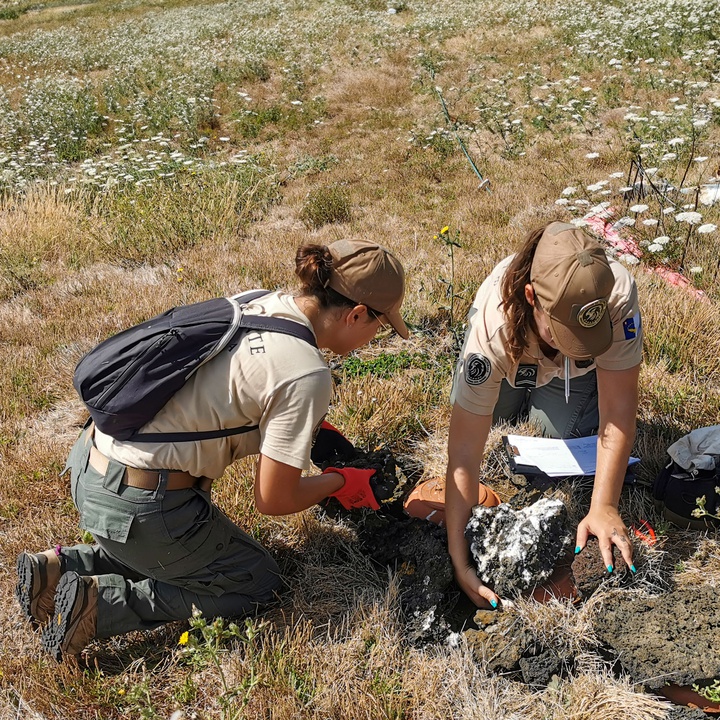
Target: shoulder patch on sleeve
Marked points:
477	369
631	326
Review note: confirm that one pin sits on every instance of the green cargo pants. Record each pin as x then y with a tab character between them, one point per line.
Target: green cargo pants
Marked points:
160	552
546	405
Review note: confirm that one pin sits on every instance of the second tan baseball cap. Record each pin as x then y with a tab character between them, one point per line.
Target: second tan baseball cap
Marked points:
371	275
573	280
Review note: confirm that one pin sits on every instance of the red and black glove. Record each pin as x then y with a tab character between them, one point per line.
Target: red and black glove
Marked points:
331	444
356	492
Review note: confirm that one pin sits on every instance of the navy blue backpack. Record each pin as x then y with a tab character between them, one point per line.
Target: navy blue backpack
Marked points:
125	380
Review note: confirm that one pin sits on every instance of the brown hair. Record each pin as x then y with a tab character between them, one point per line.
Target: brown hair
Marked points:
313	265
518	311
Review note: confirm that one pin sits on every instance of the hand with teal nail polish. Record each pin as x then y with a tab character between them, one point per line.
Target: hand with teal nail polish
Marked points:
633	569
493	603
577	549
604	522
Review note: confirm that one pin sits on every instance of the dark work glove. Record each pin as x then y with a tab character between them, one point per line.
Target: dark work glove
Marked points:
356	492
331	444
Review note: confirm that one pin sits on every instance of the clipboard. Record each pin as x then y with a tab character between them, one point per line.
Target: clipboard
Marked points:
554	458
512	454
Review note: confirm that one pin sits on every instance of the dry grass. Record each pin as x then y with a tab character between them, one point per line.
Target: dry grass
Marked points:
219	84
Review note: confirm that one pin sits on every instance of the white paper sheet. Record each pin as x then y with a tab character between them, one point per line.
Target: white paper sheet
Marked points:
558	458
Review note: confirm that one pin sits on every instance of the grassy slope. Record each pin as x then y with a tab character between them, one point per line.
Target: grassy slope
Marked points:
152	154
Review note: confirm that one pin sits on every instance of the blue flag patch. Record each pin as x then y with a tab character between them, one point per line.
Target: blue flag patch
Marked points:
630	327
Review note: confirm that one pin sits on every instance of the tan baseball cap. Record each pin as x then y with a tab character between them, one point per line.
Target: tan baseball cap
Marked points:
368	274
572	278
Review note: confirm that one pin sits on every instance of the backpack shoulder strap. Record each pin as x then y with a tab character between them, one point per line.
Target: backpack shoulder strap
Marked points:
281	325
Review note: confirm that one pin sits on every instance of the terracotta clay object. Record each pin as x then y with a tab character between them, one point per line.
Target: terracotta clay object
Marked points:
559	586
685	695
427	500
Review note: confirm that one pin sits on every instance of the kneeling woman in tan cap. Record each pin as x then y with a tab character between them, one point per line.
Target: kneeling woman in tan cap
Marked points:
554	334
162	545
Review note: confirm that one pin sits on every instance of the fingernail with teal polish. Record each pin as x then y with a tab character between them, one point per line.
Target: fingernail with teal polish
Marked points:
577	549
610	568
633	569
493	603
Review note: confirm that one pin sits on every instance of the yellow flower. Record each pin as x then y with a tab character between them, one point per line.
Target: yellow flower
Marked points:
184	638
445	229
121	691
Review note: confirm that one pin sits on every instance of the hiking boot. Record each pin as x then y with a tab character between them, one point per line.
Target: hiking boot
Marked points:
37	578
74	622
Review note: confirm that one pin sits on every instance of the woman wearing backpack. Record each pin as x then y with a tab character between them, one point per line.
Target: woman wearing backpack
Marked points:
554	335
162	546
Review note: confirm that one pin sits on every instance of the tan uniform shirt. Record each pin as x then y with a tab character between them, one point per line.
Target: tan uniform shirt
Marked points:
275	381
484	360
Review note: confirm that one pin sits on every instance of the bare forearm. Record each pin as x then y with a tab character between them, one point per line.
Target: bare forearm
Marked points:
280	489
618	403
613	451
468	434
458	506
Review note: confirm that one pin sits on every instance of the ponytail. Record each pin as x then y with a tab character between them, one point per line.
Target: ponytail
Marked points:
313	265
518	311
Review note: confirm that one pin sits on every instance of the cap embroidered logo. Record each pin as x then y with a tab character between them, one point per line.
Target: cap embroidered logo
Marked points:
591	314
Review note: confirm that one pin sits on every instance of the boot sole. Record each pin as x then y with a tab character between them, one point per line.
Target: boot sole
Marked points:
28	584
55	632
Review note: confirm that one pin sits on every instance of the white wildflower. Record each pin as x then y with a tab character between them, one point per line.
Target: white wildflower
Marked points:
592	155
691	218
623	222
570	190
629	259
655	247
696	269
707	228
650	222
638	208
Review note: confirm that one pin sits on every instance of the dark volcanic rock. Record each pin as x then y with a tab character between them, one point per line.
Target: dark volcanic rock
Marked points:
589	571
515	550
671	638
500	640
685	713
506	646
538	669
